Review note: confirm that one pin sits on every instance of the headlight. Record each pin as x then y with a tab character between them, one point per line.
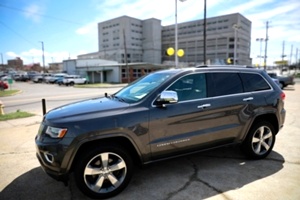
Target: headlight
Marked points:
56	132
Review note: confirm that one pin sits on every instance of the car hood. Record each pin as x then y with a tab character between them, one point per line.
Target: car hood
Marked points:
86	107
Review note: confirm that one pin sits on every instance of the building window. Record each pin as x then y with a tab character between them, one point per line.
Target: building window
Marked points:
124	73
231	46
137	73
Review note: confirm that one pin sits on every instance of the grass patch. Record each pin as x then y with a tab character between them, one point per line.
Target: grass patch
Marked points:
8	92
15	115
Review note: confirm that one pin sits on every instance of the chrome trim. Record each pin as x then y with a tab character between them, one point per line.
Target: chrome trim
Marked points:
49	157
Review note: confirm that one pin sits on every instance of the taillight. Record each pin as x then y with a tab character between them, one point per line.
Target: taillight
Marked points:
282	96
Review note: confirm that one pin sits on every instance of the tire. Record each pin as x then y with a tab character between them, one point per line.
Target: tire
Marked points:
281	85
96	165
72	83
260	140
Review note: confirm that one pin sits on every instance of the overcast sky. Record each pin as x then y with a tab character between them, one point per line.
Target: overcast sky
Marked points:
68	28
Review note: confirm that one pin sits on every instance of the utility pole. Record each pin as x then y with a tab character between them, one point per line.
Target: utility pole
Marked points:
266	46
204	34
296	59
291	55
43	55
282	56
1	59
125	57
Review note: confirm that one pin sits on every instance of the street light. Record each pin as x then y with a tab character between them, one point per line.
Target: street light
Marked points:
235	27
176	34
43	56
260	40
204	34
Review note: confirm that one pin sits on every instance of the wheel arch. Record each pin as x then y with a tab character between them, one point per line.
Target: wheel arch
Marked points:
115	141
269	117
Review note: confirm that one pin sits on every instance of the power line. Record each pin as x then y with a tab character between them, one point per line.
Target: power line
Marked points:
47	16
18	34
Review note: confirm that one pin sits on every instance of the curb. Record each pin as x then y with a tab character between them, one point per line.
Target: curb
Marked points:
28	121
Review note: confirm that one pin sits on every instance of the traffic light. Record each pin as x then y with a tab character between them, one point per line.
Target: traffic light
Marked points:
170	51
229	60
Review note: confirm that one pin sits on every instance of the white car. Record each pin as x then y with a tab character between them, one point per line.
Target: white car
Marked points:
73	79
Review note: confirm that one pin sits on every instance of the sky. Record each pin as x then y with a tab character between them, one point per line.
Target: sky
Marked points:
67	28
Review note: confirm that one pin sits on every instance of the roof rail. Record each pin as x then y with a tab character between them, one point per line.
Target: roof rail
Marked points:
237	66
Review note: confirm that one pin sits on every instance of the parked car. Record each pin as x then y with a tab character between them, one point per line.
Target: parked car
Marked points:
16	77
6	77
73	79
40	78
56	77
47	78
165	114
284	81
32	74
24	77
3	85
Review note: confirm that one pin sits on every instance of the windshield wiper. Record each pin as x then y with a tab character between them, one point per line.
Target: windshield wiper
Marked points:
118	98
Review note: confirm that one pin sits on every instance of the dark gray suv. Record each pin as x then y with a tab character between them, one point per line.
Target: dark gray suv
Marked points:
162	115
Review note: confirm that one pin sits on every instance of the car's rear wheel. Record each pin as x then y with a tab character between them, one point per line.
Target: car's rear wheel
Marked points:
104	171
260	140
281	85
72	83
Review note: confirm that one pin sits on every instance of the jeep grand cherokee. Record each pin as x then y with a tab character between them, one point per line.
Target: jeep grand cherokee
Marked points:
162	115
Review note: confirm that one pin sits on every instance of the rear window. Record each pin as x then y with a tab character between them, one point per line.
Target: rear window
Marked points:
224	84
254	82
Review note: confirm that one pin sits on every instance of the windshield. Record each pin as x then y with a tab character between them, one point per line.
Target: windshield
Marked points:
142	87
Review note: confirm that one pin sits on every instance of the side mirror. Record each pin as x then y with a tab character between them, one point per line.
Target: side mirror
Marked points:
167	97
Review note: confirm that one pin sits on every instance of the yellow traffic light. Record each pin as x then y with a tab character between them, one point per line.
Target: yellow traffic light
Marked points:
170	51
229	60
180	52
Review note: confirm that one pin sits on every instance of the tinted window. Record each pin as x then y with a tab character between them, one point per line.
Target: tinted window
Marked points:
254	82
190	87
225	84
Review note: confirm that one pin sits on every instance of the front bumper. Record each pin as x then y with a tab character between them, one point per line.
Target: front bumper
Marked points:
63	177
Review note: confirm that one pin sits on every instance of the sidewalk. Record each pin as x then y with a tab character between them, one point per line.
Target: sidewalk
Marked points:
21	122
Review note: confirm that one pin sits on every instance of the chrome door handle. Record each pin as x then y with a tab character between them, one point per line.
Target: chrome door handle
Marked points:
204	106
248	99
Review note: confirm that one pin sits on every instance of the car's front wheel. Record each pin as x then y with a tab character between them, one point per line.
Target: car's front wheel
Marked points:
103	171
260	140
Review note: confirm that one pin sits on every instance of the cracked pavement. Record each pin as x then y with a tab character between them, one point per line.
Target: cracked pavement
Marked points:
217	174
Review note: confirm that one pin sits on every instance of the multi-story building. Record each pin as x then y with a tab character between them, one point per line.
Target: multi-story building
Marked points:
16	63
221	33
139	46
129	40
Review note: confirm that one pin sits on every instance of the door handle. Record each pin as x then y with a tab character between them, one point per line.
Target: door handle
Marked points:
248	99
204	106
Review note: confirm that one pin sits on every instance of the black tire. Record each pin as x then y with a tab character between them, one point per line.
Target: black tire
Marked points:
102	172
281	85
260	140
72	83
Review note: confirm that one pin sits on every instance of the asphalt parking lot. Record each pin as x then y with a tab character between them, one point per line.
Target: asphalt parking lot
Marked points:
219	174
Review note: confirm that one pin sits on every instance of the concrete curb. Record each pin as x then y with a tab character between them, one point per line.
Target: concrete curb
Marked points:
21	122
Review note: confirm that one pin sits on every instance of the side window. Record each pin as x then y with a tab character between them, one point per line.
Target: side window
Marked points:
254	82
190	87
225	84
